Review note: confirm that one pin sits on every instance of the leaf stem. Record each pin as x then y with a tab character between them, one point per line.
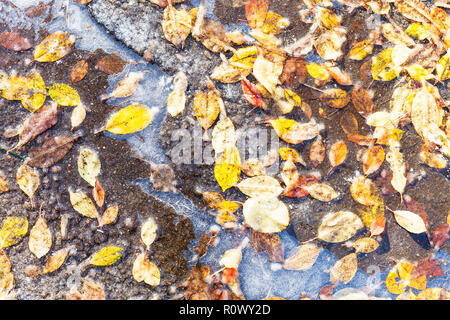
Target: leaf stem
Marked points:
12	153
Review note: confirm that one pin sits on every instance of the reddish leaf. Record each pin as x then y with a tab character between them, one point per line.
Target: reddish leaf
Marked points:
252	94
362	101
361	140
377	227
255	12
440	235
14	41
229	275
294	72
79	71
37	123
36	11
111	64
296	190
428	266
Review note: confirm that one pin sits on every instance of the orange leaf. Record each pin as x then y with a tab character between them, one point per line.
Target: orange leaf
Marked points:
256	12
338	153
372	159
252	94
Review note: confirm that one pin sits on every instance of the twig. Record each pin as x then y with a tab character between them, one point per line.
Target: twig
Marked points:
12	153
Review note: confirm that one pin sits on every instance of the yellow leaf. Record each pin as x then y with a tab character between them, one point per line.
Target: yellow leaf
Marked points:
89	165
266	215
54	47
148	231
55	261
420	31
383	68
394	286
106	256
207	106
4	185
64	95
274	23
131	119
35	93
339	226
12	231
318	71
364	191
144	270
286	153
176	25
40	240
417	72
228	168
228	73
244	57
28	180
83	205
433	294
443	67
361	49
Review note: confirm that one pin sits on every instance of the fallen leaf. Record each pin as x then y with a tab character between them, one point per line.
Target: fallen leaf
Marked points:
348	123
13	229
64	95
260	186
302	257
131	119
37	123
336	98
223	135
83	205
110	215
79	71
78	115
51	151
98	194
362	101
317	152
148	232
266	215
344	270
176	25
321	191
440	235
252	94
410	221
372	159
339	226
14	41
125	87
144	270
207	106
28	180
106	256
269	243
55	261
227	169
40	240
365	245
337	153
111	64
89	165
54	47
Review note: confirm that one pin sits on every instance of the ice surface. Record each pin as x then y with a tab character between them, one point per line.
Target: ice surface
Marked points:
259	277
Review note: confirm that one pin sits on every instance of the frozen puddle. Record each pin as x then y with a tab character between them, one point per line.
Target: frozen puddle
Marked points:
259	277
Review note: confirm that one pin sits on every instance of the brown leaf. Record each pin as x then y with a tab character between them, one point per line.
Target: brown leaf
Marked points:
427	266
36	11
268	243
294	72
79	71
14	41
349	123
51	151
37	123
111	64
336	98
362	101
317	153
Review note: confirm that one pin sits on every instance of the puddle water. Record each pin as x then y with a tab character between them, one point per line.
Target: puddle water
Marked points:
258	276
